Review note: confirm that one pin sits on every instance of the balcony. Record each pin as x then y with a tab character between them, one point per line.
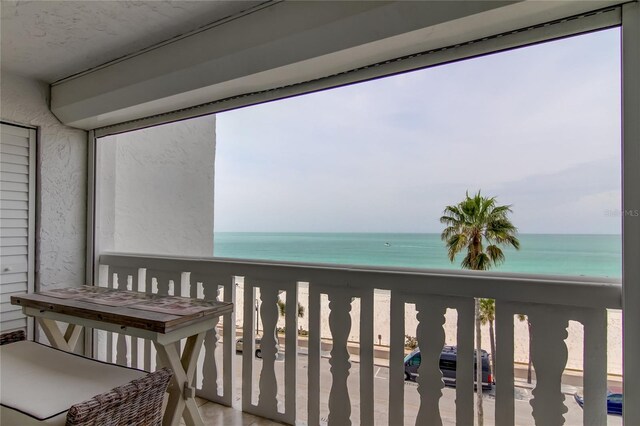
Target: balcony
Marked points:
326	384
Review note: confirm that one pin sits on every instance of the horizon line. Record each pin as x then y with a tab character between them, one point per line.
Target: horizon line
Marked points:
400	232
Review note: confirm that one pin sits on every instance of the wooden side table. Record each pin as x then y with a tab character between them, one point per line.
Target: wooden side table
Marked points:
146	318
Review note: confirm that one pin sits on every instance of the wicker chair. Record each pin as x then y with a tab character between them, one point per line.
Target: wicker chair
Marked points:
13	336
138	402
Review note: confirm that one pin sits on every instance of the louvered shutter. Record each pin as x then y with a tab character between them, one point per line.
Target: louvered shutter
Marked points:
17	195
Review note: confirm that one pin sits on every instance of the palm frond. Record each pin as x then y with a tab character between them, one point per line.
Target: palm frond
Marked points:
495	254
455	244
449	231
483	262
487	310
472	222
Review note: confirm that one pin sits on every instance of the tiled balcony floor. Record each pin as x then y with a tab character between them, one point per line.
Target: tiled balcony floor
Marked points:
220	415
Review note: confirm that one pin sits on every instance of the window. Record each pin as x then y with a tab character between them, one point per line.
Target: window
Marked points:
361	174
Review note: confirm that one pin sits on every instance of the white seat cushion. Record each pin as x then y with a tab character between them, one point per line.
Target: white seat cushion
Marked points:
43	382
11	417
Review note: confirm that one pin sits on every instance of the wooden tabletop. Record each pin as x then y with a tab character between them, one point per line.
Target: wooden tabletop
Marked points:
136	315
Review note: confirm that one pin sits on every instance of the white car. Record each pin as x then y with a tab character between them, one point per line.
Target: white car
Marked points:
239	345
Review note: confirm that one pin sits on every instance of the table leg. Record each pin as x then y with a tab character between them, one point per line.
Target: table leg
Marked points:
182	402
66	342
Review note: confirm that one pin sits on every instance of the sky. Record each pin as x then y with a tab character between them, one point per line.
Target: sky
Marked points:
536	127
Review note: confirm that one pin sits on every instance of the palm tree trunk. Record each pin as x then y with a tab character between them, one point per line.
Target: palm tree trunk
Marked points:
479	365
492	338
529	367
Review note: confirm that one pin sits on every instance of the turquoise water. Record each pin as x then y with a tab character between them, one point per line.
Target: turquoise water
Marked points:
588	255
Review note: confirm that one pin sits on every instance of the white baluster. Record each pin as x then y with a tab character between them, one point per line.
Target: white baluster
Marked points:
102	347
366	358
121	345
146	345
268	401
505	408
595	367
396	357
464	362
340	325
313	377
163	285
430	336
185	284
132	342
248	346
103	276
291	355
229	346
210	369
111	283
200	291
549	357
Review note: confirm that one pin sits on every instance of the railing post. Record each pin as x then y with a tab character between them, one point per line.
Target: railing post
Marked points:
267	400
430	335
505	408
396	357
366	358
595	367
340	325
291	353
313	378
549	357
209	366
248	345
464	362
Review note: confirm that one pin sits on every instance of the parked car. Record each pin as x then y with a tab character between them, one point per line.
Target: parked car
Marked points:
448	361
614	402
258	353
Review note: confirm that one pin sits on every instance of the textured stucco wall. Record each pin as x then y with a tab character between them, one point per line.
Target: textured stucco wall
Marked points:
156	189
61	192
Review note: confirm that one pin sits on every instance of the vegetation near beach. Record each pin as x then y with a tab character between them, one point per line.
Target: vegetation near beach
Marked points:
479	227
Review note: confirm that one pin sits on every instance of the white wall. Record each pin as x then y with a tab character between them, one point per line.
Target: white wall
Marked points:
156	189
62	180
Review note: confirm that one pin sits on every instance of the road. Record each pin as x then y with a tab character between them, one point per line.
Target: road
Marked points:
411	396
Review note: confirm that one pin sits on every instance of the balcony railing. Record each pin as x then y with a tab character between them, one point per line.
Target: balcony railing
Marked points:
549	302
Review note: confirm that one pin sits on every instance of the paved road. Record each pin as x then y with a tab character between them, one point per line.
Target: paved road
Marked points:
412	398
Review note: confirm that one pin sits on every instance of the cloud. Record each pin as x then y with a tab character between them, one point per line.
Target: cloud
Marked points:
539	127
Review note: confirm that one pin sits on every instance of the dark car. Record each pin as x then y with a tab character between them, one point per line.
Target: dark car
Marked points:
614	402
448	361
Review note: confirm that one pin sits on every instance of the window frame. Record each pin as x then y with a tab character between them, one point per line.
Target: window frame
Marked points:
626	16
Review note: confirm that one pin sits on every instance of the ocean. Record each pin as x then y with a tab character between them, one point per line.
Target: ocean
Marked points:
555	254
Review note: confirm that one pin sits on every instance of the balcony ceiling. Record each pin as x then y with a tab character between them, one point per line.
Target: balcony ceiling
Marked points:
50	40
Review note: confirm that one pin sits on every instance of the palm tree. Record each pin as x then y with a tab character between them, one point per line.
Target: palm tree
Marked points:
469	224
523	317
282	308
488	315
